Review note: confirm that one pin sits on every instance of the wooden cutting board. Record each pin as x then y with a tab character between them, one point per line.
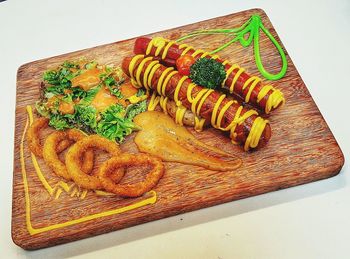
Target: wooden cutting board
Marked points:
302	149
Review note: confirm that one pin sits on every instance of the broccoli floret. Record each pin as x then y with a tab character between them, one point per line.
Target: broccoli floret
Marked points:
208	73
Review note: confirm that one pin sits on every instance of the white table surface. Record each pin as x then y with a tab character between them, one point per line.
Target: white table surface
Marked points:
309	221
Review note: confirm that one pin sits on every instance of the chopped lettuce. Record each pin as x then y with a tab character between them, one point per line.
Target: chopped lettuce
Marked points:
42	109
91	65
61	122
113	86
85	117
89	96
114	125
78	93
133	109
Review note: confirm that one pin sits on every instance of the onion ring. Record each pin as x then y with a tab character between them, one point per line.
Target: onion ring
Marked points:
50	152
73	157
33	137
127	160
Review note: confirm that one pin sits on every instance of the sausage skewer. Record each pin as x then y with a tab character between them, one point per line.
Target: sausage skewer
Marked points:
208	105
248	88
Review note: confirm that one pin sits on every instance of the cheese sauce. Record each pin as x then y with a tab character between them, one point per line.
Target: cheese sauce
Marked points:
162	137
103	99
88	79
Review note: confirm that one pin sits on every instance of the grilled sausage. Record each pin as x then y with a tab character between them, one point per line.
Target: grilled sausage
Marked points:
245	126
247	88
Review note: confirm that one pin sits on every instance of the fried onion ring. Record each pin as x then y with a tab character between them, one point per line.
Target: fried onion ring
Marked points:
74	154
33	137
50	152
127	160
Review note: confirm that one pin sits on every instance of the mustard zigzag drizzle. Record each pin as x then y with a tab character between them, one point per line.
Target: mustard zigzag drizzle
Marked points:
62	186
275	99
158	97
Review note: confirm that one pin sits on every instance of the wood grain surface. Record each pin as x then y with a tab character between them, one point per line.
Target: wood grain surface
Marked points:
302	149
